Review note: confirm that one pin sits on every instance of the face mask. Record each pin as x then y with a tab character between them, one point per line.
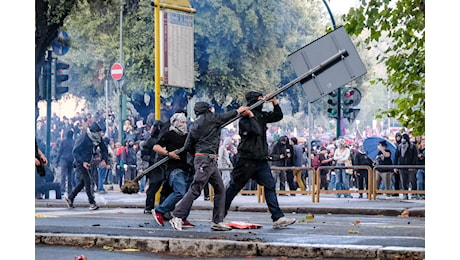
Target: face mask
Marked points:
403	141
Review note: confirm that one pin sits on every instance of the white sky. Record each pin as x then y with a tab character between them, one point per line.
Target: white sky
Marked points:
341	6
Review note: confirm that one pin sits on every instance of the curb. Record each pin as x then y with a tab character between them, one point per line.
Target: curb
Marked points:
413	212
221	248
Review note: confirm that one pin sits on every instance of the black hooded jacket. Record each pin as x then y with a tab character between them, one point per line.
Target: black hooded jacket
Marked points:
410	156
84	149
282	149
253	130
204	134
65	149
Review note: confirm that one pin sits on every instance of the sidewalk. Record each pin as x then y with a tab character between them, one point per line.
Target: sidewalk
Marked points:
328	204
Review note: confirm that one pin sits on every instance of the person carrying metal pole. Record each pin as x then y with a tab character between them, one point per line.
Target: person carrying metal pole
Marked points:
253	157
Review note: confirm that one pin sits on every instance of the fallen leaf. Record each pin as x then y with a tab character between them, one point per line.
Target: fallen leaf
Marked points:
357	222
310	216
110	248
129	250
353	231
44	216
405	213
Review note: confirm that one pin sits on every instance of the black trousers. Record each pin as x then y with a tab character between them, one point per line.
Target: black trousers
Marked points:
84	180
157	179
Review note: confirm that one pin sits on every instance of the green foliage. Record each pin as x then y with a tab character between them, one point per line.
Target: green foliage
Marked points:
243	45
397	27
239	46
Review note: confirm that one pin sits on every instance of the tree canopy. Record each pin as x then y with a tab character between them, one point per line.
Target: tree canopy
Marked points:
397	28
239	45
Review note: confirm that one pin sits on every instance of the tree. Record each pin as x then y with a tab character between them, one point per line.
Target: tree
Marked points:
398	29
49	17
243	44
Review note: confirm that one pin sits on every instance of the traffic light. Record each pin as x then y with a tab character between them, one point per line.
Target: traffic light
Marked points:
348	101
60	76
351	98
332	101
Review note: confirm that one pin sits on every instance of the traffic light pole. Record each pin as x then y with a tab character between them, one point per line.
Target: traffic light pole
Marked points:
339	110
339	114
48	102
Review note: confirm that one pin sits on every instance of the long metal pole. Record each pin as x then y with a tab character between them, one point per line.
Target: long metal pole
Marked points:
157	60
304	77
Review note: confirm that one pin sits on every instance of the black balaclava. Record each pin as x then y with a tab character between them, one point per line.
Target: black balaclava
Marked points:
252	97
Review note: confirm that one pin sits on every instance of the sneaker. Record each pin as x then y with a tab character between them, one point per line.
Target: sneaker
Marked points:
220	227
158	218
283	222
186	223
102	192
207	198
176	223
69	202
148	211
93	206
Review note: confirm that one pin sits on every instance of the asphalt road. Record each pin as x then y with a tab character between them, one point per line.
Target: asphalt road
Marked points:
336	230
43	252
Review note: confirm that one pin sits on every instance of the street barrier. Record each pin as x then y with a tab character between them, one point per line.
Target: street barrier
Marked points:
314	184
413	190
260	191
369	189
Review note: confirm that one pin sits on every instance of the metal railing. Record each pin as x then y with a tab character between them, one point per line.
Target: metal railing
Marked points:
370	183
389	191
314	185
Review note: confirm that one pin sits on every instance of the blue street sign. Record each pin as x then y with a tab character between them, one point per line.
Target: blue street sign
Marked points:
61	43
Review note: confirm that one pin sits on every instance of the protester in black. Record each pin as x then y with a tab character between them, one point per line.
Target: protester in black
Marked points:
252	162
282	157
360	158
325	160
203	141
383	158
85	148
406	154
156	177
179	166
65	160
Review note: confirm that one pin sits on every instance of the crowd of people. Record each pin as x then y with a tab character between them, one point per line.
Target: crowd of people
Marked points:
86	155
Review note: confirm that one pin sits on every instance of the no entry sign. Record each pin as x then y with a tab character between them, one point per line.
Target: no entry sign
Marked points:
116	71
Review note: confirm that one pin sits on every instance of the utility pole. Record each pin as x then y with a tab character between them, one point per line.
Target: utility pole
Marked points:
122	99
339	110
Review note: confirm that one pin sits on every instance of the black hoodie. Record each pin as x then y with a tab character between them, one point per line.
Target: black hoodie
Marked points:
253	130
65	149
204	134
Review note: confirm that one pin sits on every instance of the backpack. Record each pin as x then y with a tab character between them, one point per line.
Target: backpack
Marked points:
316	162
